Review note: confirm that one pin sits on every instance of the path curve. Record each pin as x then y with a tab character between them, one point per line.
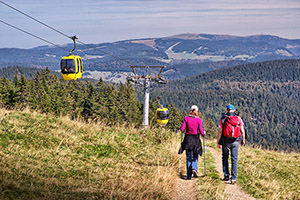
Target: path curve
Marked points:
233	192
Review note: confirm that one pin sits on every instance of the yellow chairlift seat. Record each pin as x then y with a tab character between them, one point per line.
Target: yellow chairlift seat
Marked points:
162	115
71	67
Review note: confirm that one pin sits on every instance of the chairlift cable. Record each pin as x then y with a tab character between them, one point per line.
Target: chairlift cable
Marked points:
40	38
34	19
115	57
33	35
27	15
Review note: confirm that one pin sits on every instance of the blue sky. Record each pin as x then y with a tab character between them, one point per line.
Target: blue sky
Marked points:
98	21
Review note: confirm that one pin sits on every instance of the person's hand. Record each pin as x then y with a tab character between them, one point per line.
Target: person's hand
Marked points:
219	146
243	142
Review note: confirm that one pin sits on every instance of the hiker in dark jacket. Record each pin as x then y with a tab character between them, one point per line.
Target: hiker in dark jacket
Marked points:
231	132
191	143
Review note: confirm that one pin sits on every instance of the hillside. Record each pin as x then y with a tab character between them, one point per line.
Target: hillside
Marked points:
183	54
49	157
266	95
45	157
11	72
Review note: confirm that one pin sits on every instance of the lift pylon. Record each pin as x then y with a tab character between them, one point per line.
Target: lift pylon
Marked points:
145	80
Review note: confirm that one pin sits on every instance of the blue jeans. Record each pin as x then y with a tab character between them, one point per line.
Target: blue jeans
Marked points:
191	162
234	149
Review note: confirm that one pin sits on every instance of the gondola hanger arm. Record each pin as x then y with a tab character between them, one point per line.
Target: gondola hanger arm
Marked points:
74	38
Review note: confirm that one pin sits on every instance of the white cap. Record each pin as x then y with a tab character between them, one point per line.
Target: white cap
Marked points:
194	107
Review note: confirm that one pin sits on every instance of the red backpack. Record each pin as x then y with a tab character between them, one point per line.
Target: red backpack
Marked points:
232	127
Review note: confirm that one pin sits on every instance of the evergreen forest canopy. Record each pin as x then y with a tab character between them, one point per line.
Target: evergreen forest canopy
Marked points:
81	99
266	94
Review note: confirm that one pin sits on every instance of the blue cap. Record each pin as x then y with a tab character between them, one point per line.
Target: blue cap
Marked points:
230	107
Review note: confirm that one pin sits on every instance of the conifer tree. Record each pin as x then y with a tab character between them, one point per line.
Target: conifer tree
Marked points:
153	106
6	93
23	92
90	104
176	118
129	108
113	105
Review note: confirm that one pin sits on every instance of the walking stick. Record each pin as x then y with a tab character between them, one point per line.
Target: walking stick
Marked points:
204	154
180	151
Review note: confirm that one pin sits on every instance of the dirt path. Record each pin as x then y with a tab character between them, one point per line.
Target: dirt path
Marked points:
233	192
186	189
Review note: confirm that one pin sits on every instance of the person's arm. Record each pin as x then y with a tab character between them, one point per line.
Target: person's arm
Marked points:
243	131
243	135
219	137
219	133
201	128
183	125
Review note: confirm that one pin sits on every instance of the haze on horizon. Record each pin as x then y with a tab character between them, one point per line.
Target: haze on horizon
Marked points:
113	20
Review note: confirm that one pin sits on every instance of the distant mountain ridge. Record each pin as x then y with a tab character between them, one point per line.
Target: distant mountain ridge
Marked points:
183	54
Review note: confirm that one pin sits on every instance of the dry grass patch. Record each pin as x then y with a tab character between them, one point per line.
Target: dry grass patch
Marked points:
43	157
269	174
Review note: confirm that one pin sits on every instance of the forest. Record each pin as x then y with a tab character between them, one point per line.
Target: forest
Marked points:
85	100
266	95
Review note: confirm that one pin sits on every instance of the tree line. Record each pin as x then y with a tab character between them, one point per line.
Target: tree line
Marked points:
83	99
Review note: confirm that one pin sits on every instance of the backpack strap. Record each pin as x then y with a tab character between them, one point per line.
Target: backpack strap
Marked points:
223	119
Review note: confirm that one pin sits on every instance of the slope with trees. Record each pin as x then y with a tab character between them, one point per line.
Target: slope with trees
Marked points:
266	94
80	99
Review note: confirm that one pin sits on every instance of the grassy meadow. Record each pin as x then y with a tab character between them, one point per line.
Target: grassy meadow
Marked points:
270	175
43	157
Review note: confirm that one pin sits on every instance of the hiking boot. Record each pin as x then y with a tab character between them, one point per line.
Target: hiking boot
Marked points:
233	182
226	178
194	172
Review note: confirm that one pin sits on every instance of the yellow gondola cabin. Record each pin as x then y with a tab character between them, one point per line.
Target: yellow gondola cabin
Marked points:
71	67
162	115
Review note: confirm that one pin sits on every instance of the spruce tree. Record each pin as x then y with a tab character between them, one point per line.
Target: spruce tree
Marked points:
129	105
176	118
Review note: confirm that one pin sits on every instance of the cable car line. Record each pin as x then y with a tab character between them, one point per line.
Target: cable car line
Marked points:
70	37
71	66
34	19
33	35
40	38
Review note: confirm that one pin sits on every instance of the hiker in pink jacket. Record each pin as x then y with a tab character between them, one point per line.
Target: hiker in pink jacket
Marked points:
192	143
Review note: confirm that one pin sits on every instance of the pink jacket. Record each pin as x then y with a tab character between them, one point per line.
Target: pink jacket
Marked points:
192	124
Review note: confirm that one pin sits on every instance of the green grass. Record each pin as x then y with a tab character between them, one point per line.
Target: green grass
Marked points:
270	175
210	186
43	157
